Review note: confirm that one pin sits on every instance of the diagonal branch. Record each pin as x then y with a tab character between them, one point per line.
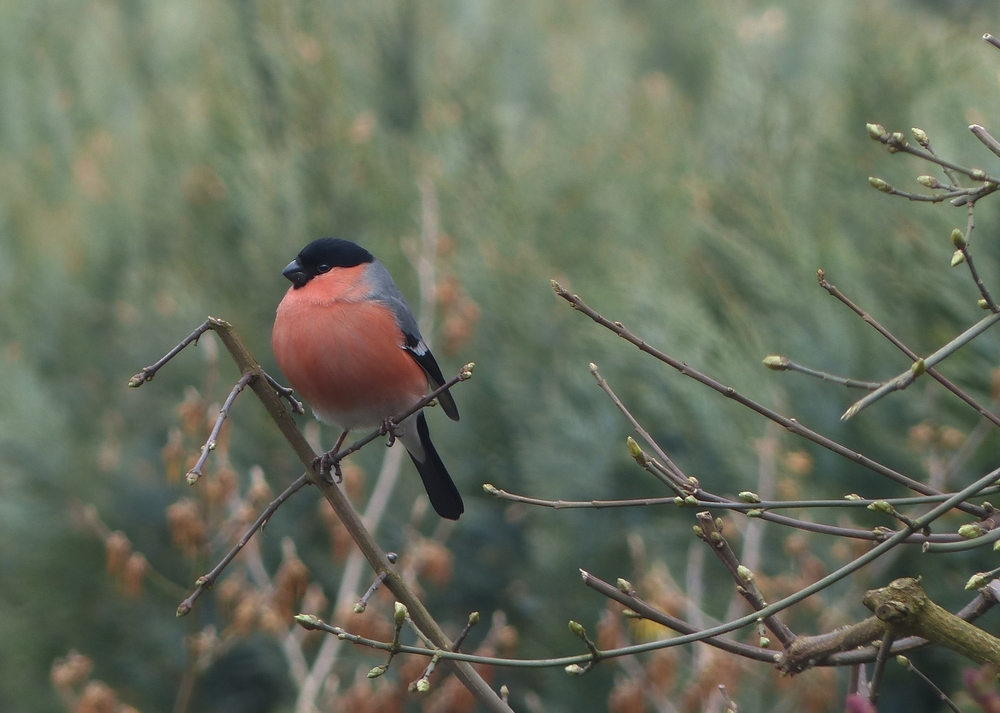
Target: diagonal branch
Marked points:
932	372
920	366
376	557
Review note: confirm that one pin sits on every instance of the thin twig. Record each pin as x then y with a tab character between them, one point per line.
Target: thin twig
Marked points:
780	363
148	372
463	375
746	585
883	655
194	474
207	581
976	174
983	135
963	246
942	696
672	471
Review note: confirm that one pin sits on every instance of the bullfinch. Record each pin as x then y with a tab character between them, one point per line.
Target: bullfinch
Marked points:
349	344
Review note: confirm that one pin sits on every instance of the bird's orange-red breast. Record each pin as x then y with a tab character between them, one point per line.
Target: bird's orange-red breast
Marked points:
348	343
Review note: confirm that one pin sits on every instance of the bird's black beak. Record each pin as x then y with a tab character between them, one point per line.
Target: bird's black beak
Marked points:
295	273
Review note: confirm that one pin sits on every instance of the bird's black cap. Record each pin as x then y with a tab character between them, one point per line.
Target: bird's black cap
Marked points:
323	255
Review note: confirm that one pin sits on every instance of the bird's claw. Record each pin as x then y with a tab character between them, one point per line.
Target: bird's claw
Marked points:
325	463
388	428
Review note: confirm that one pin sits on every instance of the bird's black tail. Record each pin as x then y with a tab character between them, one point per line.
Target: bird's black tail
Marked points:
441	490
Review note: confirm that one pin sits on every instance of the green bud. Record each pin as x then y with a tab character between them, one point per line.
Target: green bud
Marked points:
577	628
764	642
474	618
878	184
399	612
691	501
466	372
928	182
635	451
853	496
958	238
678	501
996	546
898	138
749	497
490	488
360	607
719	524
625	586
979	579
978	174
918	367
307	621
920	136
744	573
378	671
575	670
629	614
971	531
698	532
875	131
423	685
756	512
983	304
881	506
957	258
882	533
903	661
775	362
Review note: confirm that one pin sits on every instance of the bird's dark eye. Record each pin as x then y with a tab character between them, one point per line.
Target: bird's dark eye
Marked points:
323	268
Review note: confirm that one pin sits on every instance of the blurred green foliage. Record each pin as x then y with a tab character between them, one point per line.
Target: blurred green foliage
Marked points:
684	166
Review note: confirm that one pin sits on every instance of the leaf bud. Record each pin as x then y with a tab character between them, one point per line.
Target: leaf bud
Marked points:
377	671
774	362
399	612
875	131
976	581
878	184
971	531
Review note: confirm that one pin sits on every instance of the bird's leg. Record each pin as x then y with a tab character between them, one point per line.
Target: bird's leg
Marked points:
327	460
388	427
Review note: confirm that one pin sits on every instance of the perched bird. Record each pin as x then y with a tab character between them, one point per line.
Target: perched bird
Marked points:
349	344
